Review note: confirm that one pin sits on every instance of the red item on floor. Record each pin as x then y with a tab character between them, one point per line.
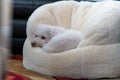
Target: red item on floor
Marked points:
13	76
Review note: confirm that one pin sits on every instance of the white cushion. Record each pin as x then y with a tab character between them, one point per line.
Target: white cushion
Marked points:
96	56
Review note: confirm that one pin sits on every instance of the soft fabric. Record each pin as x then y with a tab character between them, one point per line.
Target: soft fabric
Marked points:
16	71
96	57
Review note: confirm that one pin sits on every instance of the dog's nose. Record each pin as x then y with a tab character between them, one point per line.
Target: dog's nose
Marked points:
33	44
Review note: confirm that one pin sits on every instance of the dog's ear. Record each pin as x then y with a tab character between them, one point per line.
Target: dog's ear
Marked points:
49	33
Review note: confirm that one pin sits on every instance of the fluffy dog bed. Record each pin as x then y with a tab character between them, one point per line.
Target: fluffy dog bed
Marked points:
97	56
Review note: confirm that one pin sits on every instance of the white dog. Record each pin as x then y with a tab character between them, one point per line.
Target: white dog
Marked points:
54	39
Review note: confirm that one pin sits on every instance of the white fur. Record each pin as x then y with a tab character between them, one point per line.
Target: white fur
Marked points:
57	39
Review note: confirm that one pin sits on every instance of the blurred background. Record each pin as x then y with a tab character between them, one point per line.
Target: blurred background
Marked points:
5	33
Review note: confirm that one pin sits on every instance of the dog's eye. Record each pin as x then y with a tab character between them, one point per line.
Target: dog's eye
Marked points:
36	35
42	37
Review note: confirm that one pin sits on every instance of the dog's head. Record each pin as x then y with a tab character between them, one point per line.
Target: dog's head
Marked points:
40	35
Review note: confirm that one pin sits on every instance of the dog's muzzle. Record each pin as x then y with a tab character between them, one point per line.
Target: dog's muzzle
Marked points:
34	44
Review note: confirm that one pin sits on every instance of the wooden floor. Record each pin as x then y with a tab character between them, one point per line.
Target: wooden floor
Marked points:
17	67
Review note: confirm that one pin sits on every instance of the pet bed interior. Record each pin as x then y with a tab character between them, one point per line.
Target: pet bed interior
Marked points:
95	57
